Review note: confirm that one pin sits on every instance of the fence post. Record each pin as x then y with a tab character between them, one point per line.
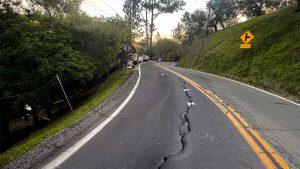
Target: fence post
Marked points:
64	93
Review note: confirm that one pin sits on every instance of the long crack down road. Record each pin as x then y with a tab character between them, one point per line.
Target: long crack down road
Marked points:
181	119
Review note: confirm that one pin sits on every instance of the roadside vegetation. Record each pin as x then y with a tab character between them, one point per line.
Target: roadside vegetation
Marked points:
273	62
167	50
40	40
95	96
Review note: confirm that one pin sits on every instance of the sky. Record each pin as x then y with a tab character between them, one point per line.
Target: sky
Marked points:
165	23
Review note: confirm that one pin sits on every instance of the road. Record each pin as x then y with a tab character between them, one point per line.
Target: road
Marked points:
170	124
276	119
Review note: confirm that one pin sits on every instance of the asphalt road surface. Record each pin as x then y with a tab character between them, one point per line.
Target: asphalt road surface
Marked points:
276	119
169	124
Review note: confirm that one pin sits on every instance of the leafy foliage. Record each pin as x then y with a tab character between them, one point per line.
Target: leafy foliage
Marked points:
167	49
96	96
253	8
33	51
46	39
223	11
221	14
194	25
54	8
34	48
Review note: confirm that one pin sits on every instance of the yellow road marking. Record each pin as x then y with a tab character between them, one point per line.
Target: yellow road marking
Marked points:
233	116
278	158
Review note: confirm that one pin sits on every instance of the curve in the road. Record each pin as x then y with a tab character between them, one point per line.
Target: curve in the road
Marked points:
69	152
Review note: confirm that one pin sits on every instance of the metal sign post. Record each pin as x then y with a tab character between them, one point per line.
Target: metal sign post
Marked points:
64	93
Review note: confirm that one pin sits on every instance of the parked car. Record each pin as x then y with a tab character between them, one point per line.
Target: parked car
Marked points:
146	58
134	58
140	59
130	64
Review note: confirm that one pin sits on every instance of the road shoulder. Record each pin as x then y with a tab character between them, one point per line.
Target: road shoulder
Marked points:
68	136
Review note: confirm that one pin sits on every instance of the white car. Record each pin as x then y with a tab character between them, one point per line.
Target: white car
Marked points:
146	58
140	59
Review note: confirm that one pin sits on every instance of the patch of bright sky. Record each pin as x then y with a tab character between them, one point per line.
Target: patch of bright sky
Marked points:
165	23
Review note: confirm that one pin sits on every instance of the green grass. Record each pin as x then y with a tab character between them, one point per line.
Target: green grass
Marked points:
273	62
101	93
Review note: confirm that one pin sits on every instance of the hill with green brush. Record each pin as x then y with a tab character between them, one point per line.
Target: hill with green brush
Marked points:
273	62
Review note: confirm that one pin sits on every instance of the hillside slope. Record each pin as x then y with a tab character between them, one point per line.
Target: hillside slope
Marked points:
273	62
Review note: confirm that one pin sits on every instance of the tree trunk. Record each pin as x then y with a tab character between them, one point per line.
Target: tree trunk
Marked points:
130	23
49	105
49	111
218	17
216	27
221	22
48	11
34	113
147	31
151	29
260	11
207	26
298	5
4	118
5	125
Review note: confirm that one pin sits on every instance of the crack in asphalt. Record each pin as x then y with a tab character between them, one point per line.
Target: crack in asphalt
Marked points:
185	127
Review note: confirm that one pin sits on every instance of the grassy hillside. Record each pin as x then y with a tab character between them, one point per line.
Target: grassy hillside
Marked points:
272	63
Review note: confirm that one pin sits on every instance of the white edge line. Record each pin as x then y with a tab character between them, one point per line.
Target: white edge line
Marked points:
70	151
261	90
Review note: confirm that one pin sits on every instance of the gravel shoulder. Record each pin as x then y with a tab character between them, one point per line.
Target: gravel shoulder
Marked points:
52	147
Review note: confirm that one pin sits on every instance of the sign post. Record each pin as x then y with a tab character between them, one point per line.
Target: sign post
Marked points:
127	48
247	37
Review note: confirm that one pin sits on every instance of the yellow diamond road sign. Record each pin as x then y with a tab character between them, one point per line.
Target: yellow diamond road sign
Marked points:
247	37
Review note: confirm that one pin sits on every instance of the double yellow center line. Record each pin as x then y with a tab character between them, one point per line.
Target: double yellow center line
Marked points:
256	142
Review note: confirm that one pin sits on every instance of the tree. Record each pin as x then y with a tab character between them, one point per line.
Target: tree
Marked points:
132	10
137	14
101	39
298	5
157	36
194	24
145	19
167	49
52	37
157	7
253	8
179	33
54	8
212	22
223	10
35	48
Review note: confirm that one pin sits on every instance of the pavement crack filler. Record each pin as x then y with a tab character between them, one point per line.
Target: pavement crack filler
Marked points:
185	128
